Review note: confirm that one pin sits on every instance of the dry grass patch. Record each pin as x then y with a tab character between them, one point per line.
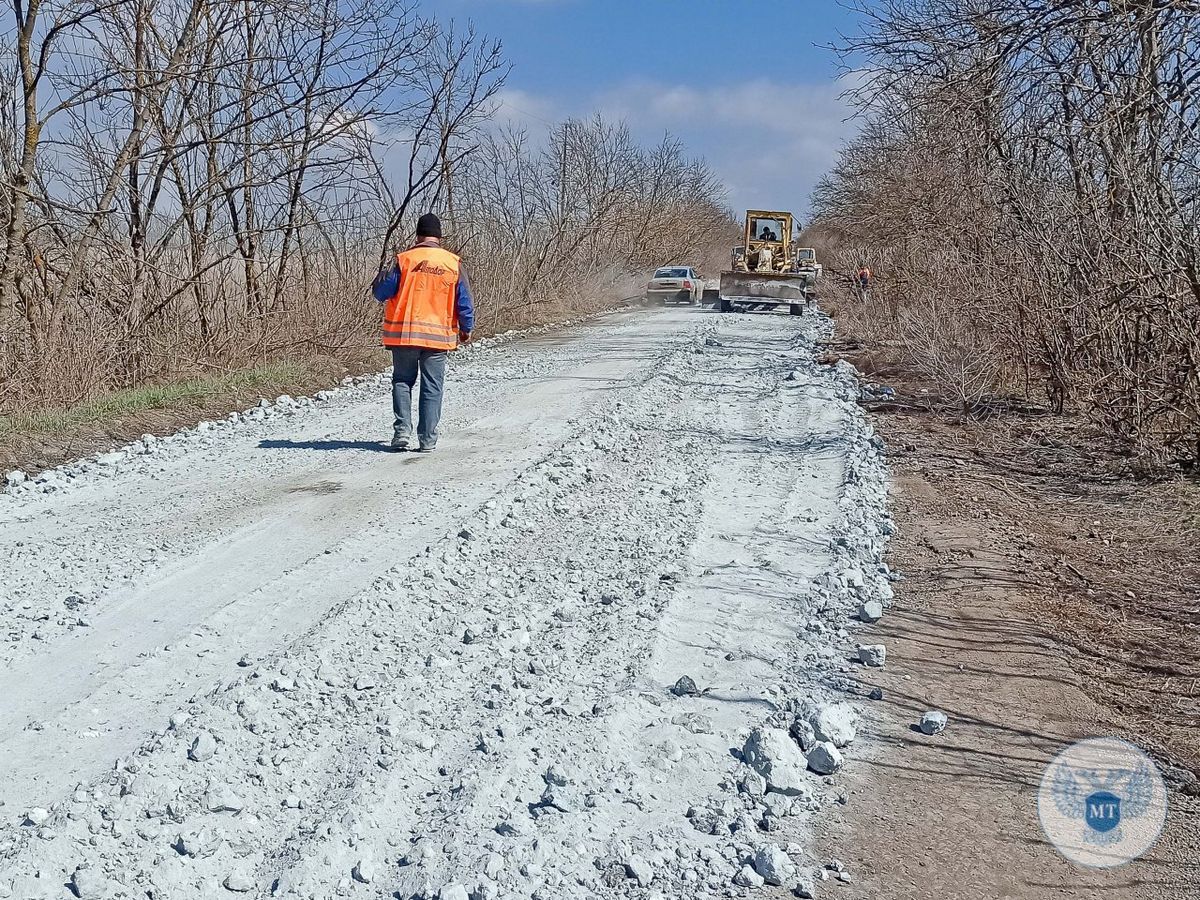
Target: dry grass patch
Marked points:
41	438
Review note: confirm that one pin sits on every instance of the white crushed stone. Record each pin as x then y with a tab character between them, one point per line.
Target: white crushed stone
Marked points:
774	865
836	723
363	871
238	882
203	748
89	884
466	709
776	757
872	655
748	878
871	611
825	758
933	722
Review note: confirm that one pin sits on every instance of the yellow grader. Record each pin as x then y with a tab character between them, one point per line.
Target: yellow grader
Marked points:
768	270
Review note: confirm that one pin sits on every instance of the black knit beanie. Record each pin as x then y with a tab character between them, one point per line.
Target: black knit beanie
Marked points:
429	225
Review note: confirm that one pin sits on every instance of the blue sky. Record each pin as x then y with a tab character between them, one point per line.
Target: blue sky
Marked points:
749	86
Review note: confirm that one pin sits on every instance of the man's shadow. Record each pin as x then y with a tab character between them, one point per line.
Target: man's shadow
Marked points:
375	446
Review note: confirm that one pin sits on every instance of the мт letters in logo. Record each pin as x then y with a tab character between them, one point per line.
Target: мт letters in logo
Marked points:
1103	811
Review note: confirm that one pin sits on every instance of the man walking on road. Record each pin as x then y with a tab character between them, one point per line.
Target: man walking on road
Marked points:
428	310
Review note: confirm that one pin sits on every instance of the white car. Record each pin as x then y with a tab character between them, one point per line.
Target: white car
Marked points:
675	284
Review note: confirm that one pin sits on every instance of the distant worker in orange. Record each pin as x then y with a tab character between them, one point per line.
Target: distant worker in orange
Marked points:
428	309
864	280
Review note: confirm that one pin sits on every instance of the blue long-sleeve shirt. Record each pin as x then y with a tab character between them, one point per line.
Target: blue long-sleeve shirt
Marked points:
387	285
464	303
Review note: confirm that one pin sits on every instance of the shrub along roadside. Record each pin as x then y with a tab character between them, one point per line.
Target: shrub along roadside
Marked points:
1024	187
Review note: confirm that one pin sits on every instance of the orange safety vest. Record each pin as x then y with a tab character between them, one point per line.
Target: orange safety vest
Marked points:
422	313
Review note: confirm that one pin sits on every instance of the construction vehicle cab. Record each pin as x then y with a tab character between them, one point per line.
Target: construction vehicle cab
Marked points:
770	229
766	271
806	261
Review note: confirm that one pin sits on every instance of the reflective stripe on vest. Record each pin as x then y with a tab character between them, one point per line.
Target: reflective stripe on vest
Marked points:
409	337
422	313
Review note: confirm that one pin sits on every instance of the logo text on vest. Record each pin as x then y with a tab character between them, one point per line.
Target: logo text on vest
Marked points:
424	266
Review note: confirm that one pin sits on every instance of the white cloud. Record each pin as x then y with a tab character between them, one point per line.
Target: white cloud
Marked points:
769	140
342	125
518	108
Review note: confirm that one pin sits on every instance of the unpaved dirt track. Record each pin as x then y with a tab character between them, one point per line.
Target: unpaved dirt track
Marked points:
427	672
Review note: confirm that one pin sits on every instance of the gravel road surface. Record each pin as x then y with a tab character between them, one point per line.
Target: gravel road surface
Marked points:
593	646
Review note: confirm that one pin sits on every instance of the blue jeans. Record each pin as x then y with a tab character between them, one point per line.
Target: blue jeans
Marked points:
407	362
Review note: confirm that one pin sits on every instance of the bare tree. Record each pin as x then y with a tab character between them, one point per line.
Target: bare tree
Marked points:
1033	164
200	184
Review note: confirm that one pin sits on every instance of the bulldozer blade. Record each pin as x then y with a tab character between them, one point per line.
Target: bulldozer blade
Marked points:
751	287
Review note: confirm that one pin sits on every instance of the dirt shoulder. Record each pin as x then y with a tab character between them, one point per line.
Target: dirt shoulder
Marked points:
35	440
1045	600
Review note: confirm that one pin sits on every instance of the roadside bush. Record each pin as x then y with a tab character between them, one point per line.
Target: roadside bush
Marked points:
950	348
1024	187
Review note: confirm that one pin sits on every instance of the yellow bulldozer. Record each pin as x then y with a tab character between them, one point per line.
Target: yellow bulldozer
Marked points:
768	270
